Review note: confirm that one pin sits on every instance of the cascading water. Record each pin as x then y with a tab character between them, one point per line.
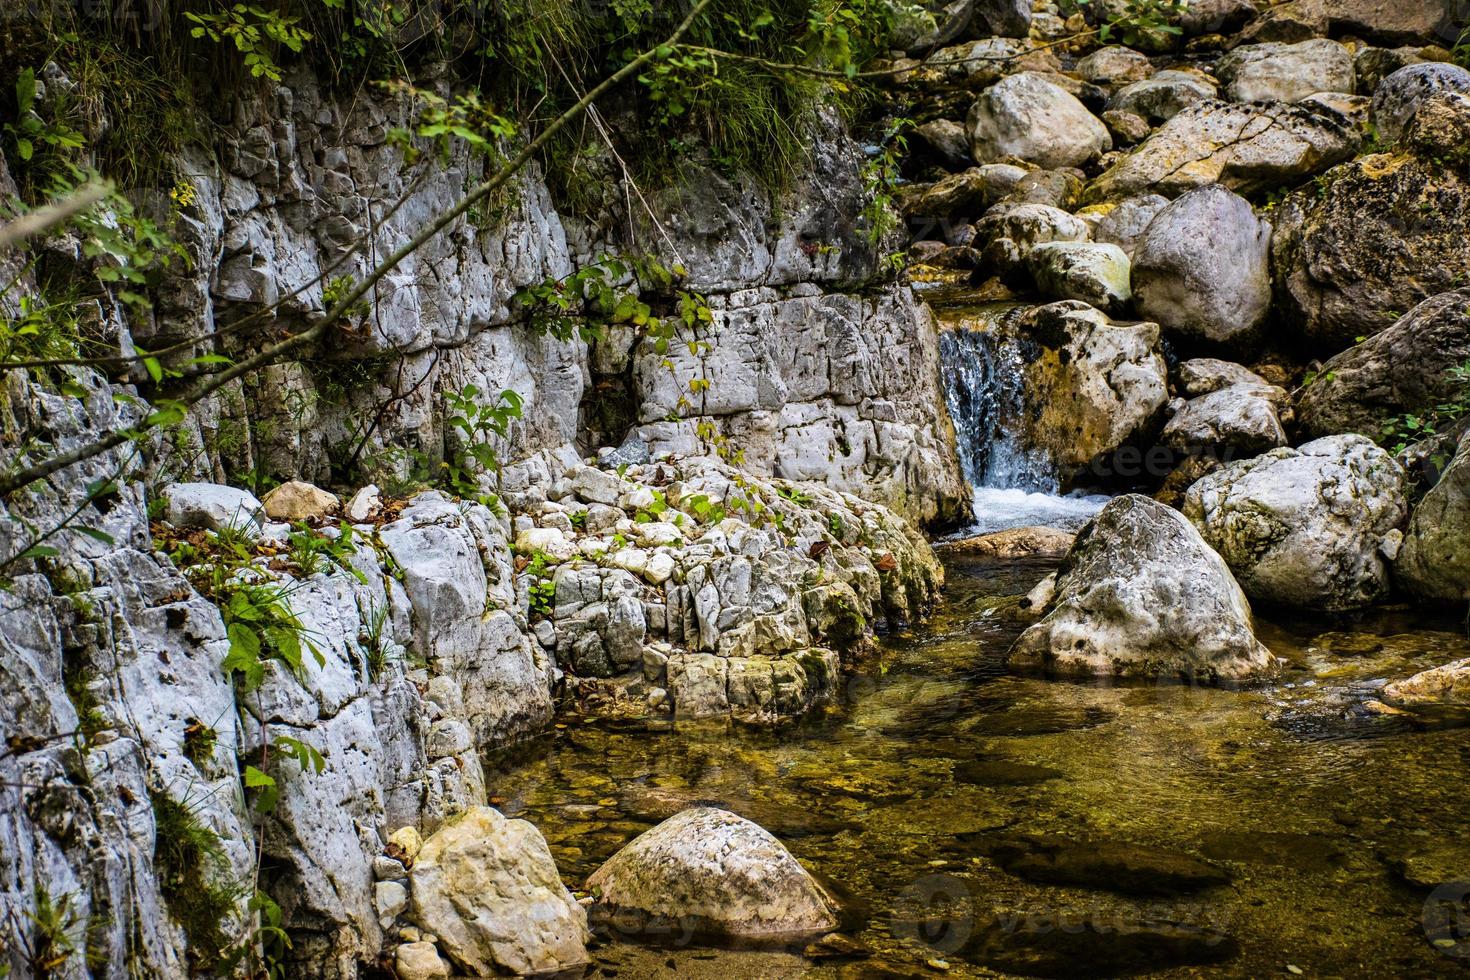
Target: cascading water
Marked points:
1015	485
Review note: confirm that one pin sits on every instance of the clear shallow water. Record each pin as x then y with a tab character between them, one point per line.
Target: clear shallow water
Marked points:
1000	508
907	794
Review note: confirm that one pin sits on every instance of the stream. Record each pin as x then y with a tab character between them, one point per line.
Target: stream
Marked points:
978	823
907	794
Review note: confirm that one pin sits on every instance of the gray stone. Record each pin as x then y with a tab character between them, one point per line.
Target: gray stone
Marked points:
1286	72
1202	268
1144	596
1124	223
489	889
211	506
1247	147
1114	65
1163	96
1313	527
1399	96
1434	563
1097	274
1028	117
714	876
1242	418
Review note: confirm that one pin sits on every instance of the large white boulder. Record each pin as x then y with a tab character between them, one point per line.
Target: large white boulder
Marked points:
1144	596
711	875
489	889
1314	527
1202	268
212	506
1029	117
1286	72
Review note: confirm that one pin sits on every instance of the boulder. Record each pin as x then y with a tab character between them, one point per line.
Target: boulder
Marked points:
1399	96
1161	97
1090	384
1202	268
987	61
1202	375
419	961
1372	65
1142	595
1054	188
1124	222
941	141
1126	128
1384	21
711	875
1003	18
1434	563
1240	418
1029	117
1248	147
1009	232
211	506
1378	236
963	196
489	889
1215	16
297	500
1114	65
1313	527
1286	72
1403	369
1097	274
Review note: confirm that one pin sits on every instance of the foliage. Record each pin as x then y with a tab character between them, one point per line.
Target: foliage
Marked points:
1460	52
30	134
254	31
311	551
191	865
480	425
261	626
1402	431
372	637
880	177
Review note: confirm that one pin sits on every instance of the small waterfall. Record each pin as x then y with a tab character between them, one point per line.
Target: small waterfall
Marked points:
1015	485
983	391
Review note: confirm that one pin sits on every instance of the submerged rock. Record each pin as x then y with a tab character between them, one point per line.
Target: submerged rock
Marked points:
1434	562
1312	527
1048	944
710	875
1439	687
1143	595
1031	118
489	889
1132	869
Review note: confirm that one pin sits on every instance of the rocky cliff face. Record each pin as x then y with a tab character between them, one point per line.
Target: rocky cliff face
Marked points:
125	783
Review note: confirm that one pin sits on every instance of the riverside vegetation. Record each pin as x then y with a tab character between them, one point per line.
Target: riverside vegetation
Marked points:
818	488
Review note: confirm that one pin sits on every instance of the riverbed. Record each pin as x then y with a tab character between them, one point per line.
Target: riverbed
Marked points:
977	823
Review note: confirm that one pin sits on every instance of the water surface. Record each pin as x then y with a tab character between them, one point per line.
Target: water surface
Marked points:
913	792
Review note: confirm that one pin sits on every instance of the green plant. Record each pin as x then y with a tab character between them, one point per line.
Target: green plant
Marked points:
30	133
835	525
337	289
311	551
543	597
193	875
654	511
478	423
255	32
200	741
261	626
705	511
372	637
880	177
1403	430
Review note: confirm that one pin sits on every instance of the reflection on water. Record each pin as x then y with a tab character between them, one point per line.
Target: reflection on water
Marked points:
1011	825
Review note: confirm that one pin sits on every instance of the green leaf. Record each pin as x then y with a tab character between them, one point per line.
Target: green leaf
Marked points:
38	551
96	535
